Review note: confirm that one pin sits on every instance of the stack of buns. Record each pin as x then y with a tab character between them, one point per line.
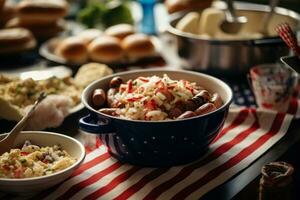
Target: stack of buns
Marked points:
16	40
7	11
44	18
117	44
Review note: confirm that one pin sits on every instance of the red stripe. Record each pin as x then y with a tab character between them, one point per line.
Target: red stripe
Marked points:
91	163
130	191
81	185
186	171
241	117
98	142
52	189
116	181
88	149
293	106
141	183
233	161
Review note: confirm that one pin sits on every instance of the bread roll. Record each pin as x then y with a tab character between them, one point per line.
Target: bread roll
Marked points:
40	31
138	46
179	5
2	2
89	35
8	12
16	40
106	49
72	49
120	31
90	72
40	11
176	5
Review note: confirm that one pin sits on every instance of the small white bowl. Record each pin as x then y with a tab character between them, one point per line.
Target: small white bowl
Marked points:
32	185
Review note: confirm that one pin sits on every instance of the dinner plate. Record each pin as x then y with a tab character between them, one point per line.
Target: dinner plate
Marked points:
58	71
47	51
42	74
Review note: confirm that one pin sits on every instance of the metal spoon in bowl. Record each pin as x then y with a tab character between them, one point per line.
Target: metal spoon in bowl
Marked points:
232	23
7	143
268	17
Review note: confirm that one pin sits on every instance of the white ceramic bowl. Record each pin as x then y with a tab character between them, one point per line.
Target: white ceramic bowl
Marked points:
32	185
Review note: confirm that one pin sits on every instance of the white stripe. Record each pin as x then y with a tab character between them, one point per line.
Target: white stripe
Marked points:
244	163
200	172
166	176
231	117
128	183
100	183
175	170
79	178
234	132
95	153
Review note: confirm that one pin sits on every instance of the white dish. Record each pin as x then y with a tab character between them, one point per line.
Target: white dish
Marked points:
36	184
15	114
59	72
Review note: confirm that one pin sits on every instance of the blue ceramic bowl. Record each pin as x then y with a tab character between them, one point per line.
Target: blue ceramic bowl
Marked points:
161	143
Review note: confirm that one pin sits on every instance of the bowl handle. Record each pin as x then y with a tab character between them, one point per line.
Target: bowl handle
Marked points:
93	125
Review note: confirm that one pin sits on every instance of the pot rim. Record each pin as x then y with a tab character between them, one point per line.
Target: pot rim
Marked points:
243	6
84	96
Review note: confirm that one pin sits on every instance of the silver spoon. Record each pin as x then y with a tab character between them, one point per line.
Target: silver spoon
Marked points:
232	23
7	143
268	16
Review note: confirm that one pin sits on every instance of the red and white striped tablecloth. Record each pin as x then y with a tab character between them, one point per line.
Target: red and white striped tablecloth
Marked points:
247	134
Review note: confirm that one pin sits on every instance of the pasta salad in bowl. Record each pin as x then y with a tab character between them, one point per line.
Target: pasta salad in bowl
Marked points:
38	161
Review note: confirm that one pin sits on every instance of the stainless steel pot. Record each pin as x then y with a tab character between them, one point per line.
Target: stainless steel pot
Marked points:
228	56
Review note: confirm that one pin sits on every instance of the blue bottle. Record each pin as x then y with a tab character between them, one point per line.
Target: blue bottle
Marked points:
148	25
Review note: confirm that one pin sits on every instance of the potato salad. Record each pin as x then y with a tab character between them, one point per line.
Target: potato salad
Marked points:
34	161
22	93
